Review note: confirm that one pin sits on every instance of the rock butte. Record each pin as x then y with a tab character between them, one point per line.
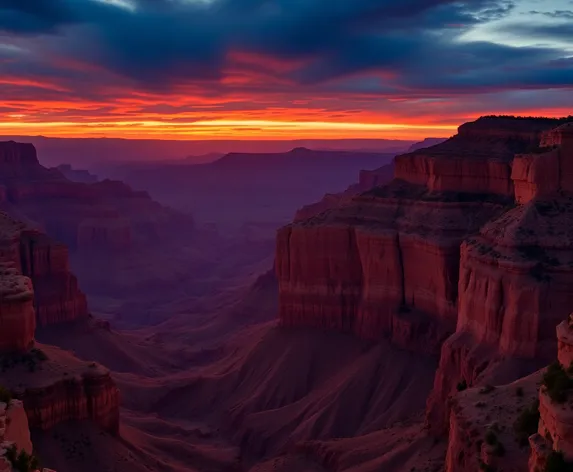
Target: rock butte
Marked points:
467	252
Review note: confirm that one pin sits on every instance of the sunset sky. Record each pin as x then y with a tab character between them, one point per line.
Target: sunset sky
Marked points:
190	69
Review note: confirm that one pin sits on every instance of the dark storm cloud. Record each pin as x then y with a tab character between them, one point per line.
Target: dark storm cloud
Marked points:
162	42
558	14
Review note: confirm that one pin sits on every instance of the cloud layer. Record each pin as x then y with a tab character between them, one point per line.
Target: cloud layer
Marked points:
318	60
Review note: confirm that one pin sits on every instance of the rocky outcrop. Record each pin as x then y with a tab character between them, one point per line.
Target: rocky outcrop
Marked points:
90	395
514	288
14	433
486	432
17	317
14	426
477	159
555	430
29	254
547	171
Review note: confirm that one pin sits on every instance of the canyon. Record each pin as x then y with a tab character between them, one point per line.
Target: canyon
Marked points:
406	323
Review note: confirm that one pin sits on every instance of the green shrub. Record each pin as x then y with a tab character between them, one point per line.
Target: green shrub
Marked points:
499	449
462	386
22	462
556	463
486	389
527	423
557	383
5	395
490	438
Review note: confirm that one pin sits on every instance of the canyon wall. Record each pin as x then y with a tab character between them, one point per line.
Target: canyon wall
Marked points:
515	284
477	159
32	255
443	259
356	268
17	316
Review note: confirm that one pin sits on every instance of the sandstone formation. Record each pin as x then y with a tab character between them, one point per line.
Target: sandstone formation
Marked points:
477	159
14	425
549	169
92	395
53	386
514	288
450	248
27	254
17	316
14	433
486	427
555	429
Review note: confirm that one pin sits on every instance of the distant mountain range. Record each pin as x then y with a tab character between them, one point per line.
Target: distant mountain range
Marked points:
90	152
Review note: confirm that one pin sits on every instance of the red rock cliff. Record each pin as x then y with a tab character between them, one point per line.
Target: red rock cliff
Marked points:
478	159
35	256
357	268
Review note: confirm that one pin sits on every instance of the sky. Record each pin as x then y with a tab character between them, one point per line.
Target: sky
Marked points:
270	69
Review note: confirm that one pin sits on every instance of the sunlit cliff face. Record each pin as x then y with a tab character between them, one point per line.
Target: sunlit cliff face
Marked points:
266	69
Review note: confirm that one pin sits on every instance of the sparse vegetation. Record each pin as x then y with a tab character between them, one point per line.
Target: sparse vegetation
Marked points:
499	449
527	423
486	389
22	462
557	383
31	359
5	395
556	463
463	385
486	467
490	438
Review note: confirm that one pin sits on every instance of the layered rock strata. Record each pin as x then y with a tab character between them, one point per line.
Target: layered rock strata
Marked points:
29	254
549	169
477	159
515	286
14	433
444	248
357	268
555	431
56	387
17	316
